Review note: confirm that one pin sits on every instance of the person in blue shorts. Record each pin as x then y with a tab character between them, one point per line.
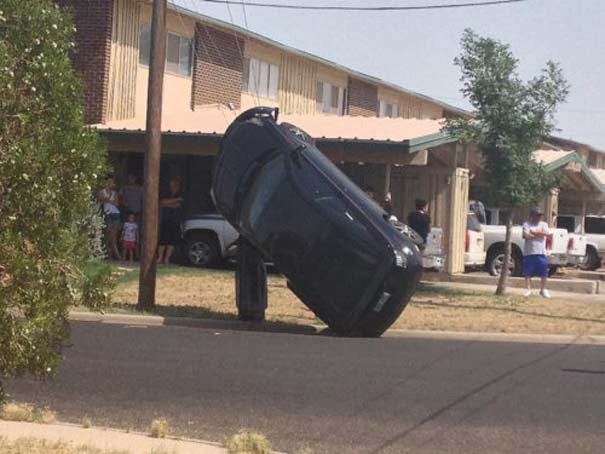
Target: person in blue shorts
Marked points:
535	262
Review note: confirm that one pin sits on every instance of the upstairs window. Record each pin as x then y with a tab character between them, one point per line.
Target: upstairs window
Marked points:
178	51
386	109
330	99
261	79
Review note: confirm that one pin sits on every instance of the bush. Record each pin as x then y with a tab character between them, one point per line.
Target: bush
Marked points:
245	442
159	428
49	165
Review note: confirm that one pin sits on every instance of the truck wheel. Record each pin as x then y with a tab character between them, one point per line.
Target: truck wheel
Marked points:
591	261
201	250
495	262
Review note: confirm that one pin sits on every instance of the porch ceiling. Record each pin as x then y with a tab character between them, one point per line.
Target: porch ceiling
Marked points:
382	140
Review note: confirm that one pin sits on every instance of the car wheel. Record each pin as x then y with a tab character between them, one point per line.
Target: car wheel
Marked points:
591	261
202	250
495	262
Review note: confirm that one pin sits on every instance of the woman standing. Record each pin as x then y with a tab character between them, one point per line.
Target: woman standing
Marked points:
171	205
108	197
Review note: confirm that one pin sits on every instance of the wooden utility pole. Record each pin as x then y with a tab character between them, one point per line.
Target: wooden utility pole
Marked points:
149	233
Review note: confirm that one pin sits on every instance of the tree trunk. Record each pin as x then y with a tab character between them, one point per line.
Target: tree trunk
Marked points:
502	282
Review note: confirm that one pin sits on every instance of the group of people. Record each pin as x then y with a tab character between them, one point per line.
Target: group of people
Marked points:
123	210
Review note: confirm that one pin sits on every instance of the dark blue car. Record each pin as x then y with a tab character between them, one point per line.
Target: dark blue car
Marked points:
336	247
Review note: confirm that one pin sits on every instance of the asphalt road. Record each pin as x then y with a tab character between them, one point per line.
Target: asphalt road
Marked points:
333	395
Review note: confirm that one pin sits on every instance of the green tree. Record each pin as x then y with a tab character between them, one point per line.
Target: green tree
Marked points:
510	119
49	162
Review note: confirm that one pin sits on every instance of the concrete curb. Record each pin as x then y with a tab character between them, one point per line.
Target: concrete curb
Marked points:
236	325
107	439
208	323
586	339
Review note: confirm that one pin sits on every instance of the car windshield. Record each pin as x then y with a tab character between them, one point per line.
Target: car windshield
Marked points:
595	224
472	223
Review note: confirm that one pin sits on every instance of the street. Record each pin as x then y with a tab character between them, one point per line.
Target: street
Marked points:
332	395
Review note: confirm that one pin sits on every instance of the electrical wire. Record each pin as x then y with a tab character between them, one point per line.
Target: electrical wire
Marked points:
245	15
374	8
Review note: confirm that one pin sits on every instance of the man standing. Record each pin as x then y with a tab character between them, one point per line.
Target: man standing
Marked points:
535	262
419	220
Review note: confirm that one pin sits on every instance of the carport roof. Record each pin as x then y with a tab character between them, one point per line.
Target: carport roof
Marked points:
558	159
413	134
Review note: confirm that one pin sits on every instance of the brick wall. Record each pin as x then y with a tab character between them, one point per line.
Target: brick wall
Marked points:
362	98
218	67
93	21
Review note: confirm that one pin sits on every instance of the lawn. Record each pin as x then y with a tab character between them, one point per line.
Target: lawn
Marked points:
211	294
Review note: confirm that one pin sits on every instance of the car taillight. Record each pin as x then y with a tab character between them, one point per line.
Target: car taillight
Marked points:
571	244
549	242
467	242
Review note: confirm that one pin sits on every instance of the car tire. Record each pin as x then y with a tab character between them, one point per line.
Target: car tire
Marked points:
495	260
591	261
201	250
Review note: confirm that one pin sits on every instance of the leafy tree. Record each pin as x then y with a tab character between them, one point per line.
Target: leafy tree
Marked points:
49	162
510	119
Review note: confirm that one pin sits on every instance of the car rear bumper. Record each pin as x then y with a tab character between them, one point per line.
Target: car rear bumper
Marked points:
558	259
474	258
435	262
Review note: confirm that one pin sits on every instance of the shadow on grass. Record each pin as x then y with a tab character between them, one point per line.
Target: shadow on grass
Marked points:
204	317
429	288
127	273
509	310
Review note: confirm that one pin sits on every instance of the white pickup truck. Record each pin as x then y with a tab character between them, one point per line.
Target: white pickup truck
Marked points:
594	228
207	239
560	248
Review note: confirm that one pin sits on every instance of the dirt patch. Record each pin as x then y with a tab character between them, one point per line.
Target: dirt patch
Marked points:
211	293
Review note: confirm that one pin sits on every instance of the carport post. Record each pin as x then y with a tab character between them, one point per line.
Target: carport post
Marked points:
153	148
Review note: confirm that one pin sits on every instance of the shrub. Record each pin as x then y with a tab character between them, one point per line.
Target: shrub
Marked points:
49	165
245	442
159	428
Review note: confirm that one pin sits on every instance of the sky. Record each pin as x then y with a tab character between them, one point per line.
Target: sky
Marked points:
416	49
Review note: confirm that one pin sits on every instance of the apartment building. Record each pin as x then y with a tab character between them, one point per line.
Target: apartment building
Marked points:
214	62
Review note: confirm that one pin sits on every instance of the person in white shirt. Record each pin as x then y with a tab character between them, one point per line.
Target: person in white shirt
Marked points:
535	262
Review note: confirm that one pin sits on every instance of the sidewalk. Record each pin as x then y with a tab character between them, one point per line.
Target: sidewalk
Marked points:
107	439
516	291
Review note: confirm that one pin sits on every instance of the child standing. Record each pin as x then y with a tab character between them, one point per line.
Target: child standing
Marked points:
130	237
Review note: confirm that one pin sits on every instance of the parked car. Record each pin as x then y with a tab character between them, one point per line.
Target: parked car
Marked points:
594	231
208	239
339	252
557	244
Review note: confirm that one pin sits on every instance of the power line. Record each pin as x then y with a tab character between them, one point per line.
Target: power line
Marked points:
245	15
374	8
